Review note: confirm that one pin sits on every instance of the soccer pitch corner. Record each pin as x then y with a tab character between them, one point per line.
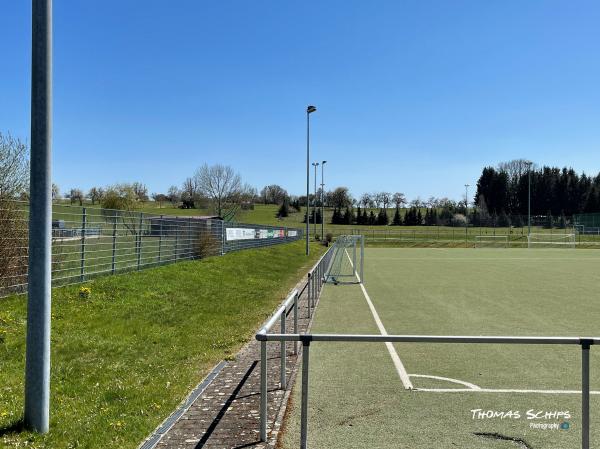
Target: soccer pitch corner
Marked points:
510	374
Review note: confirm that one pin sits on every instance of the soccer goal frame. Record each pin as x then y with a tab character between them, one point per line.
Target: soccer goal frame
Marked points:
548	240
491	241
347	261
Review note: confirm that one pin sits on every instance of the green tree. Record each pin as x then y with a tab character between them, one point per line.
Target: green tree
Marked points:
397	220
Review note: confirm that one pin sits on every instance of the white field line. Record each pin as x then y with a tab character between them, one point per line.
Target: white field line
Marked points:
472	388
447	379
499	390
390	347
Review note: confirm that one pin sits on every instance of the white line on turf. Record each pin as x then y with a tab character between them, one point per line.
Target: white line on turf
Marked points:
499	390
405	377
447	379
390	347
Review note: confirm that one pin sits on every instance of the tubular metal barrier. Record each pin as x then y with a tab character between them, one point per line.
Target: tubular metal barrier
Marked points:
313	288
307	339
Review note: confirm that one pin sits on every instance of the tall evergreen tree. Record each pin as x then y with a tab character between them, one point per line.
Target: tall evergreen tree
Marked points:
397	220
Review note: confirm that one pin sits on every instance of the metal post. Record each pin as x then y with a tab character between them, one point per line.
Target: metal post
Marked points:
295	322
312	290
114	247
529	201
309	296
176	240
82	258
316	164
466	215
37	358
263	391
585	394
307	179
304	403
362	259
354	258
223	235
160	238
310	109
139	245
323	200
282	380
190	253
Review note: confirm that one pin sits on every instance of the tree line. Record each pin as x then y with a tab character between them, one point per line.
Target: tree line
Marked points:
554	191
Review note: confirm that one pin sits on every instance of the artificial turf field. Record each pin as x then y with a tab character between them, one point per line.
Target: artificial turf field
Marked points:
357	398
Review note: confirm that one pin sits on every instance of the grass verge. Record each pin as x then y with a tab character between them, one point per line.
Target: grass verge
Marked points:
124	358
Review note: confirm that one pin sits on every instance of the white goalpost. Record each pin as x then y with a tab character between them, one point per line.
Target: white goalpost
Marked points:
491	241
347	260
547	240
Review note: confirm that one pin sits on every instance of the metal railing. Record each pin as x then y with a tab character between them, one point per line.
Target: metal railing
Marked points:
88	241
313	286
306	339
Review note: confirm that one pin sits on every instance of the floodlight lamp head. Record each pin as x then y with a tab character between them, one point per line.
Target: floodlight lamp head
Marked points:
324	162
310	109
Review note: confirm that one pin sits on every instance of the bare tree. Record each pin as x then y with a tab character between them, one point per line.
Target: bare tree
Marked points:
159	198
417	202
141	191
174	195
55	192
399	199
76	195
223	187
365	200
14	182
514	169
431	202
386	199
95	194
14	167
273	194
190	192
340	198
121	202
377	199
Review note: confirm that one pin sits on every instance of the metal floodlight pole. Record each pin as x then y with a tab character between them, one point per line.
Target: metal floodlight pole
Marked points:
467	214
37	358
315	164
323	200
309	110
529	199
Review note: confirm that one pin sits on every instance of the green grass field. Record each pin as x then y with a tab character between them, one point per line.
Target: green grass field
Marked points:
123	359
357	399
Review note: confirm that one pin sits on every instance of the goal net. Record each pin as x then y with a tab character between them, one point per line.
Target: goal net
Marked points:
551	240
346	265
491	241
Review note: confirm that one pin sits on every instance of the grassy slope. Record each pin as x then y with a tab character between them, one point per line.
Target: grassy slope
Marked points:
123	359
357	399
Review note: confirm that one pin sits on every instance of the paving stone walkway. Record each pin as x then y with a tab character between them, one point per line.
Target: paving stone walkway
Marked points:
226	414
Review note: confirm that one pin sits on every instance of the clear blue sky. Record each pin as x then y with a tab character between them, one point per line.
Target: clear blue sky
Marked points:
412	96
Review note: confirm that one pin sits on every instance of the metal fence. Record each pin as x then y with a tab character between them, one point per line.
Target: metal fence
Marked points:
87	242
467	236
314	284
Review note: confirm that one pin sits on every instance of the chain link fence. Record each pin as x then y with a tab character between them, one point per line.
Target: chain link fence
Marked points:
88	242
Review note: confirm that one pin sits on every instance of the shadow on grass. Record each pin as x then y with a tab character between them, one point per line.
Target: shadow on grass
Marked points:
17	426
